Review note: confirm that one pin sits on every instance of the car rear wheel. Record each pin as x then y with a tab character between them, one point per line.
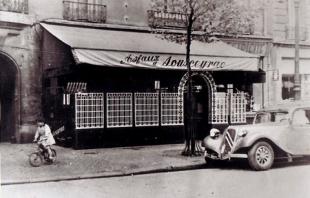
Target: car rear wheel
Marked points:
261	156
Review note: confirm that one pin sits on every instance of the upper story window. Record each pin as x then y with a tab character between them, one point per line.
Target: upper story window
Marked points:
301	11
166	16
19	6
85	10
166	19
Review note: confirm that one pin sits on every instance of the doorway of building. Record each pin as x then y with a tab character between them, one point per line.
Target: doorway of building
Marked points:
7	99
203	87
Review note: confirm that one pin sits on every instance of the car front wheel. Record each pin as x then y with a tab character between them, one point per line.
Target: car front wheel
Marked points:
261	156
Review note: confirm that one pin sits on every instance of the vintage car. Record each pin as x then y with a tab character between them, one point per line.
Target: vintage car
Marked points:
281	131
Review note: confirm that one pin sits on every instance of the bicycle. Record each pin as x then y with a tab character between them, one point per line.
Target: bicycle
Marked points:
37	158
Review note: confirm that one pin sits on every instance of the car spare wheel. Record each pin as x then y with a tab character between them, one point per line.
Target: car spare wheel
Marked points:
261	156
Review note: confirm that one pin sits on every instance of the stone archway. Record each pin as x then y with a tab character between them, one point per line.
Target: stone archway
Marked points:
210	85
9	98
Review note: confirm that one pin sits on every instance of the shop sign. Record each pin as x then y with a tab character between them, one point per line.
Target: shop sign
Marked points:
164	61
172	62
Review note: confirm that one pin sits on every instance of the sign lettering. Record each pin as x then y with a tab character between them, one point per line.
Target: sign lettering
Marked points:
172	62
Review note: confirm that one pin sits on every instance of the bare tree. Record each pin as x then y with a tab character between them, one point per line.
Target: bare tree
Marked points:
207	18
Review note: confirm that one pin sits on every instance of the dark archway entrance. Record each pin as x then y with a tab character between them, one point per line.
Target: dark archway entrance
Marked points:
203	89
8	83
201	106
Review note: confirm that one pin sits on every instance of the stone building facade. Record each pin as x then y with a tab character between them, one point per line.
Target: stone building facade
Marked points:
21	49
280	70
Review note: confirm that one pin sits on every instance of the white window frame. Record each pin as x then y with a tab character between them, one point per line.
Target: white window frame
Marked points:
171	110
146	109
119	110
89	110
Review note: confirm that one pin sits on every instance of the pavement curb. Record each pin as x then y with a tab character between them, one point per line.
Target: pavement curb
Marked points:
97	176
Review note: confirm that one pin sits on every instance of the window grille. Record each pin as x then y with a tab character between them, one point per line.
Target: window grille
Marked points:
171	109
146	109
89	110
220	108
119	110
238	108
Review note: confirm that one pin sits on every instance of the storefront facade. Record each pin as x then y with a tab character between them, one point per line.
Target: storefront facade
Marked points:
127	81
35	80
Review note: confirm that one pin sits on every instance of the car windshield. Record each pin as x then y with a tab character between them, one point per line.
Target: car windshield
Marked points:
271	117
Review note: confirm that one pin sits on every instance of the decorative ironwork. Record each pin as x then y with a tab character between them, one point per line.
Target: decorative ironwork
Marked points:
238	108
163	19
229	107
207	77
220	108
146	109
85	11
20	6
170	109
89	110
119	110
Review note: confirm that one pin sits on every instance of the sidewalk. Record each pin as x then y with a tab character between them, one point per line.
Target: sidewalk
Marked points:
92	163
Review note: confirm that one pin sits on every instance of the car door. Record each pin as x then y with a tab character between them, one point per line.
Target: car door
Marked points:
298	139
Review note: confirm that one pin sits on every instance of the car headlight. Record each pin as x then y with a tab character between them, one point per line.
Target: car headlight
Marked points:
242	133
214	133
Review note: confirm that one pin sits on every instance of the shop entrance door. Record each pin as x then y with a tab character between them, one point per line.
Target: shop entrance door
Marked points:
200	103
201	106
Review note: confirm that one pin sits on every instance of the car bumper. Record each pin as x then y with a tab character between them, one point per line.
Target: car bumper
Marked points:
229	156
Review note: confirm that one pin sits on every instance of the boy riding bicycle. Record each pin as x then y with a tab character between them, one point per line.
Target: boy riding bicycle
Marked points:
44	137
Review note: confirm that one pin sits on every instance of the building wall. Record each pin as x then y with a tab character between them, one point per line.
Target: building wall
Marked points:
23	37
122	12
20	42
283	49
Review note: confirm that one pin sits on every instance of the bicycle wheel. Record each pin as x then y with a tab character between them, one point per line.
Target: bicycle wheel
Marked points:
35	159
53	157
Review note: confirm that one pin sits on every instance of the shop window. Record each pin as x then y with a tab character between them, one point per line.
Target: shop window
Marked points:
85	10
146	109
119	110
229	107
220	108
171	109
238	108
287	86
89	110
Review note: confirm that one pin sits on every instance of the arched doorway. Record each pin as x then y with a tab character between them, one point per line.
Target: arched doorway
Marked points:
8	76
203	89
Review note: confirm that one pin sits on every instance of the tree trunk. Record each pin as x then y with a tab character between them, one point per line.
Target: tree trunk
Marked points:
192	147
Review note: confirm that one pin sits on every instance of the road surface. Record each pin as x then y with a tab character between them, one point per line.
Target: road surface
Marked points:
284	181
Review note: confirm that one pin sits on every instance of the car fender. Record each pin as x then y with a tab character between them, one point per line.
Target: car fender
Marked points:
249	141
213	144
